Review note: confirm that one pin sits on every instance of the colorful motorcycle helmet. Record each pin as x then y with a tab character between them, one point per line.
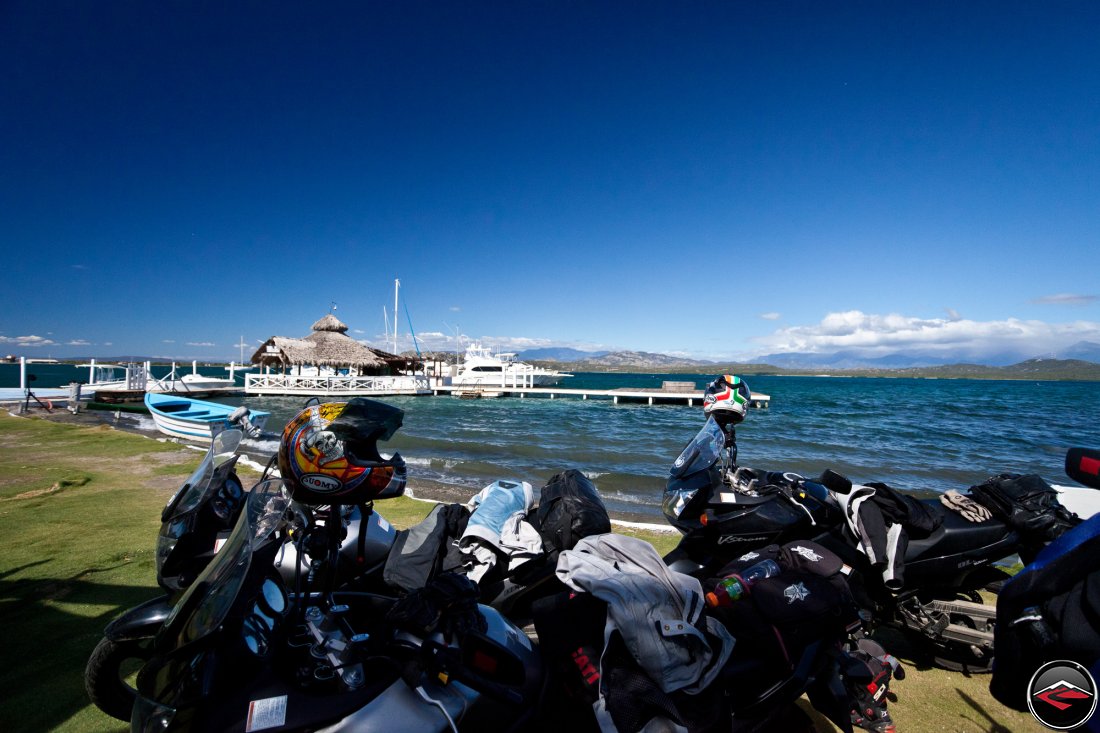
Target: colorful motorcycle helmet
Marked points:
727	399
329	453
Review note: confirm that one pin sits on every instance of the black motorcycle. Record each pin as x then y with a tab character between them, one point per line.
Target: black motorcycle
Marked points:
195	523
724	510
242	649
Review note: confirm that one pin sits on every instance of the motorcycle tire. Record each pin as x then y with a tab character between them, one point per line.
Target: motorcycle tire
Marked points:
105	676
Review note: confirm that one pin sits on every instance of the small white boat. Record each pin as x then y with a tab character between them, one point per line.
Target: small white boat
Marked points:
482	368
193	382
129	377
191	419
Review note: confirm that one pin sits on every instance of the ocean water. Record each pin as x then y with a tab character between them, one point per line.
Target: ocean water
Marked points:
914	434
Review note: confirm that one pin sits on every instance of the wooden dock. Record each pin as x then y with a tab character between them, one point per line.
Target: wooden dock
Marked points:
621	394
344	386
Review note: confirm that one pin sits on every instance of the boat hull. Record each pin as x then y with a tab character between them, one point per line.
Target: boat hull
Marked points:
191	419
502	381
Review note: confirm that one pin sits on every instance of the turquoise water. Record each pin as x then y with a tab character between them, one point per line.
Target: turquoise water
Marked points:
910	433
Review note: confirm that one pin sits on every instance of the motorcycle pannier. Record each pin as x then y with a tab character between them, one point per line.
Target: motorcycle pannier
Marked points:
1026	503
570	509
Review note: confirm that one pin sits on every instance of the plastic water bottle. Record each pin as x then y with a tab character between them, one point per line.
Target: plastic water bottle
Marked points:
735	587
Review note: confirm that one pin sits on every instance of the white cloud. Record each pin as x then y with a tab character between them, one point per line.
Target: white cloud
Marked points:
1066	299
953	314
455	309
874	335
773	316
78	342
29	341
200	343
168	341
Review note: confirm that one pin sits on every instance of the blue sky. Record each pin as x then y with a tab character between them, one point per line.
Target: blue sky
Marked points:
718	180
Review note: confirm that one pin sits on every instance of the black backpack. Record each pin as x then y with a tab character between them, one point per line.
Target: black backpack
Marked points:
1026	503
570	509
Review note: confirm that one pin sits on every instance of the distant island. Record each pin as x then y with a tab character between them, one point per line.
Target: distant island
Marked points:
632	361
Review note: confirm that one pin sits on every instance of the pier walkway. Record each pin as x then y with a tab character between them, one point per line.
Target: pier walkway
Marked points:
349	386
689	397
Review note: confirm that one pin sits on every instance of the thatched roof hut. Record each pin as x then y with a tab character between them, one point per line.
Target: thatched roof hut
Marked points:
328	346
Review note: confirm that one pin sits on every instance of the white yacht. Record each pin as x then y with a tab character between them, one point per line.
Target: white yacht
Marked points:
482	368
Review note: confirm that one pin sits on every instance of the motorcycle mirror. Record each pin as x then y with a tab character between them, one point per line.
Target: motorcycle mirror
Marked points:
1083	466
835	482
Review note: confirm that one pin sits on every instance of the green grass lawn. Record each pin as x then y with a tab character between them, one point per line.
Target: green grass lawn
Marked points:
79	514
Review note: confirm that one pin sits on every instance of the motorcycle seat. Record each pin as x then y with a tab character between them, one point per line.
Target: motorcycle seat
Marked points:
956	535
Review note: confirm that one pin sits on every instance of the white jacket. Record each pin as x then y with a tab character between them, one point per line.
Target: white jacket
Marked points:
657	611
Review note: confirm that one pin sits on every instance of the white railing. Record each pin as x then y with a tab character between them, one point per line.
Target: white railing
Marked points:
280	384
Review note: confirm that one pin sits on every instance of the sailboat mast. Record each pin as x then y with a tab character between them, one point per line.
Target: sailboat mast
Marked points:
396	286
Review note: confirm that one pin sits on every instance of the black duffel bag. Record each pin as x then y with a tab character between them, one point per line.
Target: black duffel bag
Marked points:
570	509
1026	503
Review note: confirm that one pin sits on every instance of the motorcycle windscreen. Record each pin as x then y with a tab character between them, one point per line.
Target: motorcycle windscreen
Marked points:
190	494
205	604
692	469
702	452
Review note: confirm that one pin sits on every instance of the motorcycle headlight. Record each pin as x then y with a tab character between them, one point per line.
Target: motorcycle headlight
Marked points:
165	545
149	716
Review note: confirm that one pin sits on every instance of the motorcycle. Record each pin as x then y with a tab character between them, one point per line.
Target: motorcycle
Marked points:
246	613
724	510
241	649
195	523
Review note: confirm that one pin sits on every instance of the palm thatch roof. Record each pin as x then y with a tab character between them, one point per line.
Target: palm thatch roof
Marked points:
327	345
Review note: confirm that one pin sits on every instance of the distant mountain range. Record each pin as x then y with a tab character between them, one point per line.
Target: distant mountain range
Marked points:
1085	351
562	354
621	359
1082	351
1080	361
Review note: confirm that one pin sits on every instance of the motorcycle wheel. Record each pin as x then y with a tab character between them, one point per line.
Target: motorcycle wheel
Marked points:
109	671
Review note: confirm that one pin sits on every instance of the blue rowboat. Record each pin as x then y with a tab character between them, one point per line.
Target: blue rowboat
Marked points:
190	419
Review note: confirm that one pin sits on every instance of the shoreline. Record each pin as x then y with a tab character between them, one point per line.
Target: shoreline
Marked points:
418	488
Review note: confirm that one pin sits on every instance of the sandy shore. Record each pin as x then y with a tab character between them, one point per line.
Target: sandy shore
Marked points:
417	488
